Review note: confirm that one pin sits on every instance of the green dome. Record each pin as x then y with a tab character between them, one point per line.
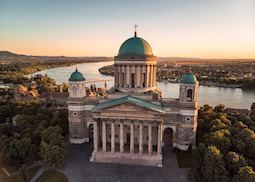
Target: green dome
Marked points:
135	46
188	78
76	76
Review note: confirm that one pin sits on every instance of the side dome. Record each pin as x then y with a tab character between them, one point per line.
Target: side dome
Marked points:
188	78
135	46
76	76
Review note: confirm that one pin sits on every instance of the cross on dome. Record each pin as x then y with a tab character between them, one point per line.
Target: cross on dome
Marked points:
135	26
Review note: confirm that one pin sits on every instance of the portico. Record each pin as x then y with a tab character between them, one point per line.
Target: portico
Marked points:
127	136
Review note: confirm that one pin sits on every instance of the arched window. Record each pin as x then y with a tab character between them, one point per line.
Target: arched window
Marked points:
189	94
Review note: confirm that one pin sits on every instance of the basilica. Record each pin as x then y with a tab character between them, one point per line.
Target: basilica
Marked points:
132	123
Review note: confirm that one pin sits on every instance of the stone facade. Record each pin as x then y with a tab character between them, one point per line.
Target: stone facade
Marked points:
128	125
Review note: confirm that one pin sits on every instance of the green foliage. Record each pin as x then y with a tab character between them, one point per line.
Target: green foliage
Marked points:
198	161
52	146
4	112
220	139
213	168
252	114
22	143
245	174
226	146
18	150
243	140
220	108
234	162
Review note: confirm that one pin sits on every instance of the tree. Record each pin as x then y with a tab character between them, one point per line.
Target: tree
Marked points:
198	154
213	168
62	120
4	112
220	139
245	174
18	150
52	146
252	114
243	140
234	162
216	125
219	108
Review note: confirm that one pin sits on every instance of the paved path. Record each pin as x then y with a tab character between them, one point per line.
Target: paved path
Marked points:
39	173
78	169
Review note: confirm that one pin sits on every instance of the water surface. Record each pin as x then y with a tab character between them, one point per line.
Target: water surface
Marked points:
230	97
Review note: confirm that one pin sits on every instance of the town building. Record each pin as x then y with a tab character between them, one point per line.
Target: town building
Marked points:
133	121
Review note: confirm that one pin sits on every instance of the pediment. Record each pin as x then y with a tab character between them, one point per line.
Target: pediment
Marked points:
128	103
126	107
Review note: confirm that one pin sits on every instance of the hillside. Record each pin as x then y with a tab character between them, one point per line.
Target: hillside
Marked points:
7	57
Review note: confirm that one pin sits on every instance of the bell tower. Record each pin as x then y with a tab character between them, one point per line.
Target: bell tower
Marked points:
188	88
78	132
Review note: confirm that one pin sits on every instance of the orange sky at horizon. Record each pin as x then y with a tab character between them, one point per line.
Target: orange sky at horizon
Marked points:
214	29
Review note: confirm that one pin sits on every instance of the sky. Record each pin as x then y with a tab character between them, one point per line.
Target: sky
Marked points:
174	28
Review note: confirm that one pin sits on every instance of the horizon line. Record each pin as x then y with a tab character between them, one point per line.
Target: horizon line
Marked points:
21	54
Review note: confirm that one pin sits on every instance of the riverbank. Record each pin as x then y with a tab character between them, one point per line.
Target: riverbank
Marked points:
208	84
211	78
16	72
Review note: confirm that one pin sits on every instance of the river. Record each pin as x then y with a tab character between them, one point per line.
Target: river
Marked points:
230	97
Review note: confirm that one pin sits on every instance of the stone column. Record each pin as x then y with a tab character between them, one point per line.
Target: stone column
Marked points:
159	139
131	137
95	137
115	75
147	76
152	75
135	75
150	140
121	137
140	138
155	75
123	75
104	136
127	76
112	137
119	74
138	76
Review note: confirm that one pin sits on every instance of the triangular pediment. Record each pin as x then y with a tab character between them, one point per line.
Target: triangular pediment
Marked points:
128	103
126	107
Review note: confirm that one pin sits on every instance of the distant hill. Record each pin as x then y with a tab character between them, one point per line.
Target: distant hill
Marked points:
10	57
8	54
7	57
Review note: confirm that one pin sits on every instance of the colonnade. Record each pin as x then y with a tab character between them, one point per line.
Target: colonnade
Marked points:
121	137
135	76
